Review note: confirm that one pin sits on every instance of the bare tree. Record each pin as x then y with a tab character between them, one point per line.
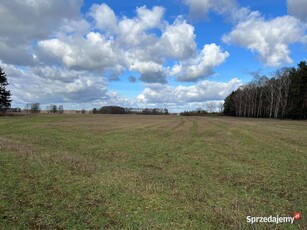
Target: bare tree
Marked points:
211	106
28	107
35	108
61	109
260	83
284	95
278	91
286	81
238	101
221	106
270	93
53	108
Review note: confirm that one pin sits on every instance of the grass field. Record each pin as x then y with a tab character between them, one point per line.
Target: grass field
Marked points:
150	172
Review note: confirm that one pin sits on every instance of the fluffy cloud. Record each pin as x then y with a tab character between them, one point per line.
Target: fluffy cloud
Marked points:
93	51
298	8
104	16
59	85
119	45
145	67
201	92
70	56
201	66
133	31
201	8
269	38
128	44
177	40
150	18
21	22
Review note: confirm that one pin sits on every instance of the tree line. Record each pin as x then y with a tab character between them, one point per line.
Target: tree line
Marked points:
122	110
197	112
36	108
282	96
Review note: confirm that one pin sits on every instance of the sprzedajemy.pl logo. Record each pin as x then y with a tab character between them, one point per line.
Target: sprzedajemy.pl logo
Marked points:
273	219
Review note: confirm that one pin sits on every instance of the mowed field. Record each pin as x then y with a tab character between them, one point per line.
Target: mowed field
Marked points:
150	172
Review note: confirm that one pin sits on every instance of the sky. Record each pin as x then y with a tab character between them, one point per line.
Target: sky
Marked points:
175	54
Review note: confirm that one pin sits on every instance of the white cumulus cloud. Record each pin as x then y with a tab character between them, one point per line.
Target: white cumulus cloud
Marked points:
50	84
201	66
54	54
177	40
93	51
122	43
269	38
105	18
21	22
203	91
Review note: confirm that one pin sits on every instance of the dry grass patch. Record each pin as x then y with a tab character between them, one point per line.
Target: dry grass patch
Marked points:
17	147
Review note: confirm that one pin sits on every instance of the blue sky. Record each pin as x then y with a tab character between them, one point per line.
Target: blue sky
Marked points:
178	54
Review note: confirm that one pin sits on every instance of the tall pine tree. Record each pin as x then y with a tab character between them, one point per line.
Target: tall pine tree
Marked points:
5	101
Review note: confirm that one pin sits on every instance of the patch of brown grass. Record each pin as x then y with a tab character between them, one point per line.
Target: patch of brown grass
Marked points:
17	147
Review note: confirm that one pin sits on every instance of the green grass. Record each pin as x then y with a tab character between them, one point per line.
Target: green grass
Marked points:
150	172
